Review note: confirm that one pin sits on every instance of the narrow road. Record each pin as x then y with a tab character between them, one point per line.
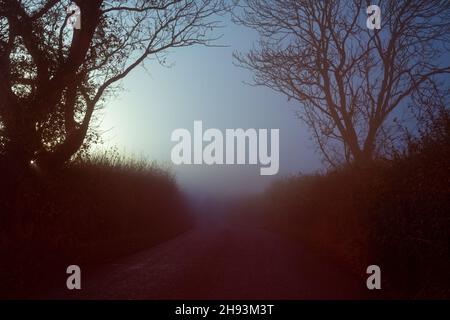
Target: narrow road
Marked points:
221	262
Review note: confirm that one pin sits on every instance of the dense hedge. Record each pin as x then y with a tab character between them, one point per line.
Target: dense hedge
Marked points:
86	213
394	213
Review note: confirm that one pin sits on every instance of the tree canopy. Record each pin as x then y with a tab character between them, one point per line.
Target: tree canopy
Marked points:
350	80
53	76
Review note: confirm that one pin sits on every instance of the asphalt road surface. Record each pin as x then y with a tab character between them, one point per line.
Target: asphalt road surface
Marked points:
217	261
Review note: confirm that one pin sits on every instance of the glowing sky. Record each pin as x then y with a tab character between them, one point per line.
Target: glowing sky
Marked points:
203	84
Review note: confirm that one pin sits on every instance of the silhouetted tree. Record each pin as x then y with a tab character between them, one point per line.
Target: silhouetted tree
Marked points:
53	77
349	79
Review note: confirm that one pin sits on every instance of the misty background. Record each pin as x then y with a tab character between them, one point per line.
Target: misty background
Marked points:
201	83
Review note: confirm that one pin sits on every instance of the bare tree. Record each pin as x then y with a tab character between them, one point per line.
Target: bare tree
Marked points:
348	79
53	77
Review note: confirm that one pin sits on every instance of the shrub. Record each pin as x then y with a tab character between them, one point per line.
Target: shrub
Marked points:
394	213
89	212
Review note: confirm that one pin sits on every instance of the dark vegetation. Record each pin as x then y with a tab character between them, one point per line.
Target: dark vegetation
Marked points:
394	213
55	78
87	213
385	201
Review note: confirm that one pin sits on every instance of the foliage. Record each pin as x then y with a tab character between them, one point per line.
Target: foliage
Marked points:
395	213
55	77
89	212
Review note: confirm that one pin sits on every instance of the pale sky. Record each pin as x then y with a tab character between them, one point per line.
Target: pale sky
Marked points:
203	84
